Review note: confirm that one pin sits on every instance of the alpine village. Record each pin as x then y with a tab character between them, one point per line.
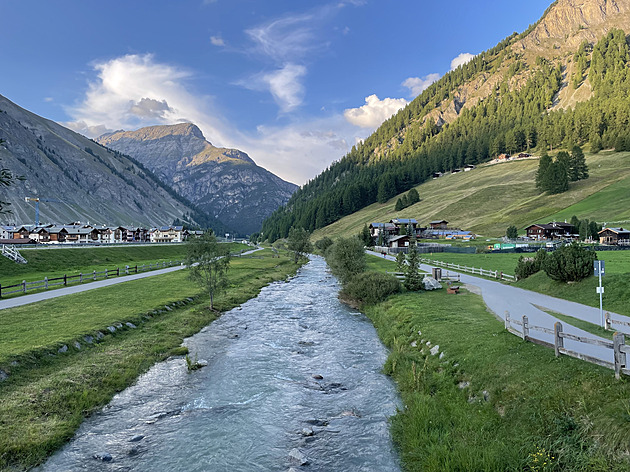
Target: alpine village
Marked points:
445	287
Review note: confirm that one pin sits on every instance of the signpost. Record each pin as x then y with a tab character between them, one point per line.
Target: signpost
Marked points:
599	272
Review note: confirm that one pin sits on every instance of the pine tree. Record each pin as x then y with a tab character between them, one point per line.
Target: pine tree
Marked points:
381	238
556	180
399	205
543	166
583	229
413	281
413	197
575	222
579	169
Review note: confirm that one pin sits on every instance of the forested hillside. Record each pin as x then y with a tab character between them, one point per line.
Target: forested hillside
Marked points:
519	113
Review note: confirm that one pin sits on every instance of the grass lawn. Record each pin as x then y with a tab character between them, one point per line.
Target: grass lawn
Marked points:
46	397
57	261
495	402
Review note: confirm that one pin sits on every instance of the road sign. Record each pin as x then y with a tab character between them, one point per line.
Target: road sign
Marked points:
599	268
599	289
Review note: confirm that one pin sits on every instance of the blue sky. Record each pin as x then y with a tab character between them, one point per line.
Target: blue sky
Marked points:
293	83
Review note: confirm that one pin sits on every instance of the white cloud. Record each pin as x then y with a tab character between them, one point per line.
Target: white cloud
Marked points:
217	41
417	85
374	112
48	99
286	87
134	91
462	59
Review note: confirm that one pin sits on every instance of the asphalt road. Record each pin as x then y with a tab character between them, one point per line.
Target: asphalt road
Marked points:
38	297
518	302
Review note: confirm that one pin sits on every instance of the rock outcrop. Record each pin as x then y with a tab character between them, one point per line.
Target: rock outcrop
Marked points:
226	183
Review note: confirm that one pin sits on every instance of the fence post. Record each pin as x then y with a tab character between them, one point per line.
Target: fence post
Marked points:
620	357
94	275
24	286
46	283
105	273
0	290
65	279
126	270
117	271
607	321
525	327
559	340
507	319
136	268
80	277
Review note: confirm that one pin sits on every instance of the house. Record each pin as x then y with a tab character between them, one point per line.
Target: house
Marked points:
553	230
614	236
438	224
437	175
388	229
6	232
402	224
468	168
524	154
399	241
21	232
503	157
167	234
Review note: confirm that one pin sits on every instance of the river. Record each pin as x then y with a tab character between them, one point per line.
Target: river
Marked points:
259	404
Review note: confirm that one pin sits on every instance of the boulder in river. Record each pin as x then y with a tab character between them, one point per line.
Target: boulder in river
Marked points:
317	377
297	457
103	456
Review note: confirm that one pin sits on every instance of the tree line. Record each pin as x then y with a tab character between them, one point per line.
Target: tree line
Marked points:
410	146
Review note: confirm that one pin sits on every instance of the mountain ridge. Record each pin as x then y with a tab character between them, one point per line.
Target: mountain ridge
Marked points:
226	183
90	182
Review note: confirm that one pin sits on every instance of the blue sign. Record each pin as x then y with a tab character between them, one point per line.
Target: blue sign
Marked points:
599	268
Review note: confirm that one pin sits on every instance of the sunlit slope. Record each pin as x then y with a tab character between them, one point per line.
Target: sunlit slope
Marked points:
488	199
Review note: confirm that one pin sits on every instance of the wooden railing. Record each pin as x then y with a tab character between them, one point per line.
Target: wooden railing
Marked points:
495	274
65	280
617	345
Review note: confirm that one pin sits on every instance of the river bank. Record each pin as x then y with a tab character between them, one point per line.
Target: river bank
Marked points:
47	396
479	398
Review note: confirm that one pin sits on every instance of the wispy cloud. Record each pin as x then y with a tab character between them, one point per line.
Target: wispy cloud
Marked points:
462	59
374	112
417	85
217	41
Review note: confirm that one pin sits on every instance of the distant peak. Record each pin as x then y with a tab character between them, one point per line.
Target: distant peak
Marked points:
157	132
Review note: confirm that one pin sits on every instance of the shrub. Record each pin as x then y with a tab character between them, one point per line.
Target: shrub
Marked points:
527	266
570	263
346	258
371	287
323	244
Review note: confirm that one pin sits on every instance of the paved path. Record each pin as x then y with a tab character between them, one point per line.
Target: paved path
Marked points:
38	297
518	302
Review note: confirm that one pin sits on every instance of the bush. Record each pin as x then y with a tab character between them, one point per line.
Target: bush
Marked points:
323	244
346	258
371	287
570	263
527	266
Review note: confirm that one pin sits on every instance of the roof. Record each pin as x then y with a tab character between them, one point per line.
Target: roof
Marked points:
404	221
396	238
616	230
437	222
382	225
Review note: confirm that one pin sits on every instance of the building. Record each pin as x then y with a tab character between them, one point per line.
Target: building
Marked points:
402	224
439	224
553	230
614	236
399	241
388	229
167	234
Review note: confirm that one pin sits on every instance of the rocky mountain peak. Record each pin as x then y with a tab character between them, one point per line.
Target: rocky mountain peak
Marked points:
567	23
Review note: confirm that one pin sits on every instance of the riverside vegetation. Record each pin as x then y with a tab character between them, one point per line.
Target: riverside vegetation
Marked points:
47	394
493	402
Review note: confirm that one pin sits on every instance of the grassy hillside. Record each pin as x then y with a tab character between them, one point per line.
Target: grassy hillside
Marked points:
488	199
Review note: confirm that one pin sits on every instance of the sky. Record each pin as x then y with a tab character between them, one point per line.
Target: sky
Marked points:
294	83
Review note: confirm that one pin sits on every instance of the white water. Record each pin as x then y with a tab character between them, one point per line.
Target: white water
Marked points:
246	410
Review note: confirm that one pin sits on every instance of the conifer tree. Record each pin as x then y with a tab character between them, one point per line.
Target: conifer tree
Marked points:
399	205
412	197
578	169
543	166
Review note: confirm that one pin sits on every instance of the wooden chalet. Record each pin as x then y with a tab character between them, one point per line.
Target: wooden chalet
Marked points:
553	230
388	229
614	236
402	224
438	224
399	241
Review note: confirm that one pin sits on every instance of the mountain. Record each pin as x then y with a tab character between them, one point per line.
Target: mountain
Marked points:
224	182
565	81
88	182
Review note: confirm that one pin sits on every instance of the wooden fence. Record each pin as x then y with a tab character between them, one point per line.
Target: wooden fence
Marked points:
617	345
47	283
495	274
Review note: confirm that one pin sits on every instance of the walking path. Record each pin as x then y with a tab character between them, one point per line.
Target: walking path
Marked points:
518	302
38	297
